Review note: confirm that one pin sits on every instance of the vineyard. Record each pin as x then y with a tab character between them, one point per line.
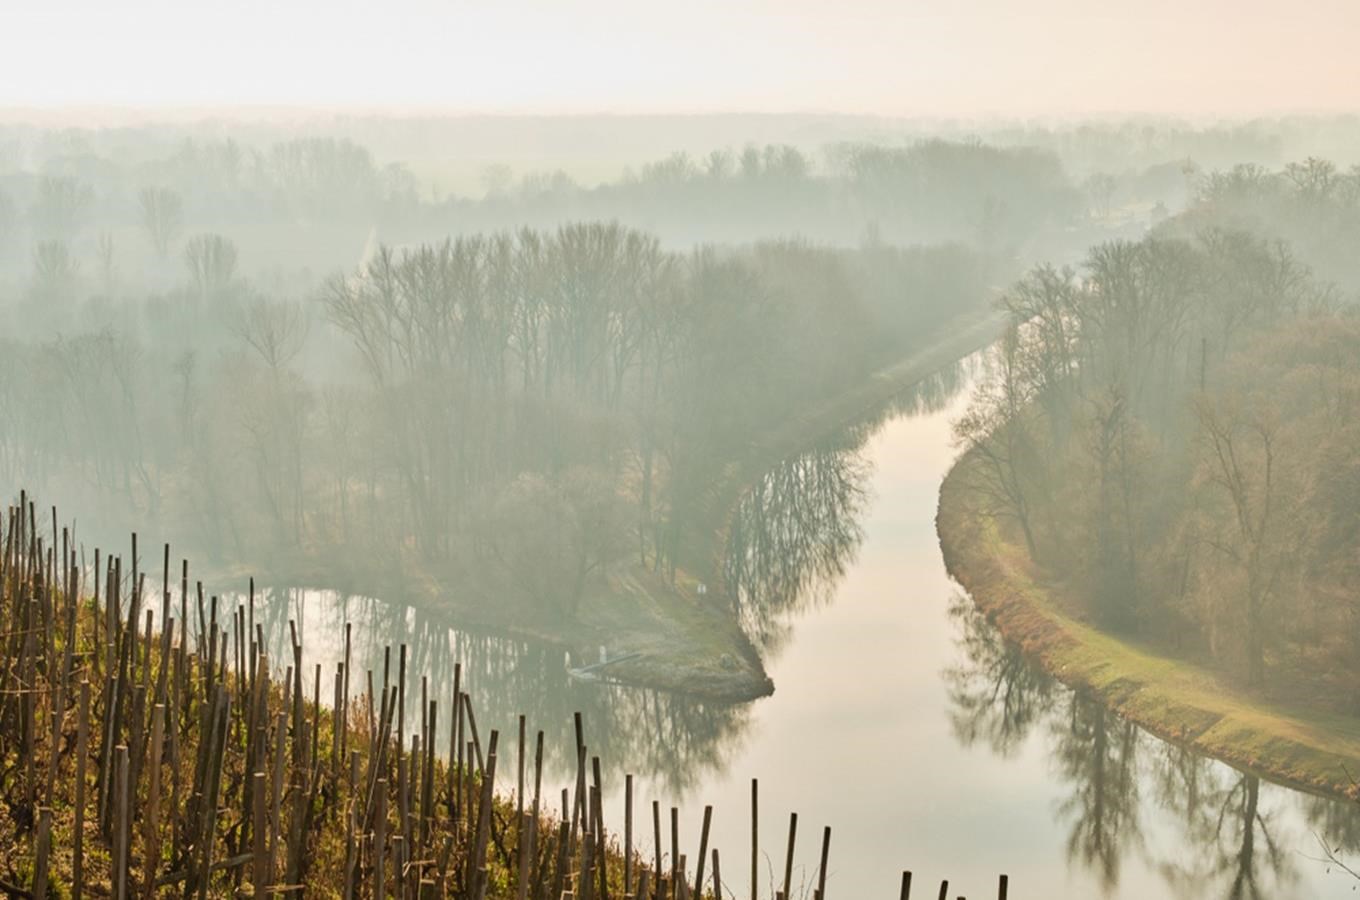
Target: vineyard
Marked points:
154	749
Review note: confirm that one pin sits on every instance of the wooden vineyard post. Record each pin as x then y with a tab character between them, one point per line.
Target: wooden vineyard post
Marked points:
538	785
627	834
260	848
676	872
484	819
821	866
119	808
519	792
656	842
563	848
703	850
584	884
788	857
755	838
379	838
522	874
82	755
42	853
153	800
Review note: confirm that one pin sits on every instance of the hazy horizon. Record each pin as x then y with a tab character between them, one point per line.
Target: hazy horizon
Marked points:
868	57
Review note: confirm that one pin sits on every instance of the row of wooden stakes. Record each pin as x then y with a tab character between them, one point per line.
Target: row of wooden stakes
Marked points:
212	773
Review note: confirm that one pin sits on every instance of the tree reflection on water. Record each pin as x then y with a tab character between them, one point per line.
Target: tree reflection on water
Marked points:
995	694
1206	828
795	531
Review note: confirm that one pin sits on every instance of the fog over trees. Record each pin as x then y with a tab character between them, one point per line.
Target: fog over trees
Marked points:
479	401
1169	425
294	352
297	351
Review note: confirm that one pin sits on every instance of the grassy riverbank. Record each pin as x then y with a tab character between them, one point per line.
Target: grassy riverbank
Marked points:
1175	699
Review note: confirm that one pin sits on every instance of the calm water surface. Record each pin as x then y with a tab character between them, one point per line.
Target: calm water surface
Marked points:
900	719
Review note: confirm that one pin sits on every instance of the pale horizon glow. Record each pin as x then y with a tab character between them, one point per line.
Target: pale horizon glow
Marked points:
876	57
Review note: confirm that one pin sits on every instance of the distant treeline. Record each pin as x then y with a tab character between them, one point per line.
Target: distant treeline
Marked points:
1173	430
115	213
519	410
1314	205
932	190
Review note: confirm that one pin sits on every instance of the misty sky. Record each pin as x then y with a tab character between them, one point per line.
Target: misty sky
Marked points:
893	57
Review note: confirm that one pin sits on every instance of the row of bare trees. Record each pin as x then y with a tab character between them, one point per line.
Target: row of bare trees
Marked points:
567	364
1314	204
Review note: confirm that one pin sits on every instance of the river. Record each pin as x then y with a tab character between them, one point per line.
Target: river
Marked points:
899	718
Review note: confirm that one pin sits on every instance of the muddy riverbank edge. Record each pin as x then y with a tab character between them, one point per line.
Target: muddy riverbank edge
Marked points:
1311	750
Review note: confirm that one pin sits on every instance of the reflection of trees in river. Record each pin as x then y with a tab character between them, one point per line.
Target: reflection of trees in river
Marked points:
1241	859
1229	833
995	694
653	734
1096	755
792	536
933	393
1338	820
1239	847
997	698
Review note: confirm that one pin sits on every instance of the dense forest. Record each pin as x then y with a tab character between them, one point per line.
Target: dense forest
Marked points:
1170	431
556	396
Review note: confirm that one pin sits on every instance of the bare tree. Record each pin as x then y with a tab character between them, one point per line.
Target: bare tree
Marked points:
996	428
162	216
1100	188
56	273
1119	483
9	222
1241	461
1314	179
276	330
60	206
552	536
211	260
496	179
108	273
